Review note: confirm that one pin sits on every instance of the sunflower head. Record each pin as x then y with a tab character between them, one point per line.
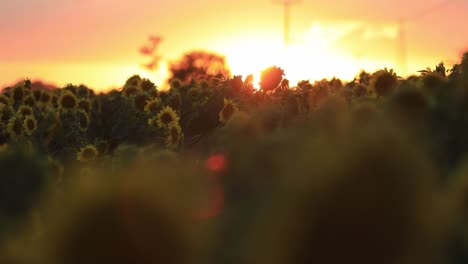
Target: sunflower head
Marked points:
193	94
6	112
87	154
15	127
82	119
45	97
146	85
29	125
228	110
131	86
132	81
83	91
67	101
17	93
30	101
25	110
54	100
154	93
71	88
152	106
384	82
166	116
129	91
271	78
4	99
176	83
37	95
85	105
174	135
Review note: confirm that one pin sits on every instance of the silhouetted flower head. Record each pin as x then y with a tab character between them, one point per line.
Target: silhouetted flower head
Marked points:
83	91
270	78
146	85
383	82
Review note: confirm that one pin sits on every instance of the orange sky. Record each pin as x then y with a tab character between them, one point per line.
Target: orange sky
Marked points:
96	42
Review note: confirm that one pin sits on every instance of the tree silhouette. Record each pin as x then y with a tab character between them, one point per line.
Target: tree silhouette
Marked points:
196	65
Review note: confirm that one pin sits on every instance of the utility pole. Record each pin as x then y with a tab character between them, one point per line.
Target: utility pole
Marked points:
402	57
402	60
287	6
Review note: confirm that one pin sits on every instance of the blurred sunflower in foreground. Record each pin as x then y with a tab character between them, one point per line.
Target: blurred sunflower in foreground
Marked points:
87	153
229	109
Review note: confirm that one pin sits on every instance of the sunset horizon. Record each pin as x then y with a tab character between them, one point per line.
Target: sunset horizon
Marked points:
95	45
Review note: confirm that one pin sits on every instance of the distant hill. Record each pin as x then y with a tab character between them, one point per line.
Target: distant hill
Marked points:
36	85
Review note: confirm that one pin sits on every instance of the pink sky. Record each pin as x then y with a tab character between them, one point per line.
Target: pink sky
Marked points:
97	42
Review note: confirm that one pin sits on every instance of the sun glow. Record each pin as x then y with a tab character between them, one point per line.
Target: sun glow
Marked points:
317	55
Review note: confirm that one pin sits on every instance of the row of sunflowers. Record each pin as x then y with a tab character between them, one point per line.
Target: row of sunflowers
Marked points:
219	169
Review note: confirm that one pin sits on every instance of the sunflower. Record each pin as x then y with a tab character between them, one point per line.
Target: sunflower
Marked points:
37	95
175	83
25	110
30	101
228	110
174	135
152	105
88	153
67	101
139	101
82	91
82	120
15	127
85	105
54	100
6	112
45	97
29	125
193	93
166	116
130	91
384	82
146	85
71	88
154	93
17	93
4	99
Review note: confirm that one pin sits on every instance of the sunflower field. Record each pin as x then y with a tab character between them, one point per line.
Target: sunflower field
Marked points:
220	169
